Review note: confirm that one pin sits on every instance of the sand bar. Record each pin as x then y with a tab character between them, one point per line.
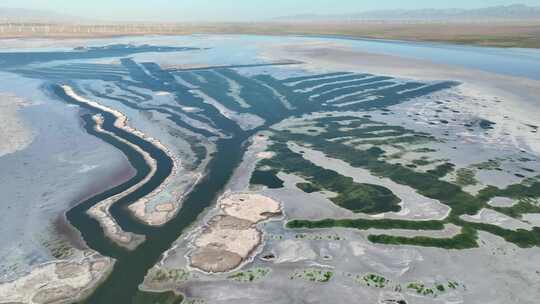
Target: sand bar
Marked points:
231	237
101	210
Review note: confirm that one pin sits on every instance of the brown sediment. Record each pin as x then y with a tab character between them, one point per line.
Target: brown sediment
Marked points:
64	281
231	237
249	206
215	260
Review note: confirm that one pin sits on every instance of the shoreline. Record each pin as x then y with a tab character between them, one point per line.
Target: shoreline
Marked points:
101	211
240	227
505	34
518	94
231	219
60	281
72	234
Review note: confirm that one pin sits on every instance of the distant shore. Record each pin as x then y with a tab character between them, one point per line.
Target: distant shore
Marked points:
524	34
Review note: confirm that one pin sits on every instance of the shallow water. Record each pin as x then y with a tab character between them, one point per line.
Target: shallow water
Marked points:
507	61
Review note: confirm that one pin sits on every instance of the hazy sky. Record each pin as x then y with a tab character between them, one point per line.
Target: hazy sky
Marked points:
188	10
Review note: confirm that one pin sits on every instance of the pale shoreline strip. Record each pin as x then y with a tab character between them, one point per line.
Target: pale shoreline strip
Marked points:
100	211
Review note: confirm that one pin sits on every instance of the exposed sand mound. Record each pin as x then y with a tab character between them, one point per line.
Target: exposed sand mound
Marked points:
58	282
251	207
211	259
230	238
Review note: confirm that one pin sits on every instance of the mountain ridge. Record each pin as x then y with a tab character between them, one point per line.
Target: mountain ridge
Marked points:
502	12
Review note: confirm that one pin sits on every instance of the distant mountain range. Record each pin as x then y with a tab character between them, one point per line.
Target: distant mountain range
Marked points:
502	13
516	12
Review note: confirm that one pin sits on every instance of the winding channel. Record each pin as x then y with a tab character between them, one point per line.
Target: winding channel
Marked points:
131	266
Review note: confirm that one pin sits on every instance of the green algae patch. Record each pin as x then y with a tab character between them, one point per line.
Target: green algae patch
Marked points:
434	290
312	275
251	275
359	198
466	177
308	187
375	280
428	184
157	298
465	240
364	224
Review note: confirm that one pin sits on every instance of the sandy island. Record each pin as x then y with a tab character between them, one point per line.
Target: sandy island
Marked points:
59	282
231	237
159	215
100	211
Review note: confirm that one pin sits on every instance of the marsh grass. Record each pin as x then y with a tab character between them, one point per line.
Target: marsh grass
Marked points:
427	184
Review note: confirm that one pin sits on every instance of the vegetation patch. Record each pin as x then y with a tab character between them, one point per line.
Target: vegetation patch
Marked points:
312	275
169	275
308	187
442	170
524	205
432	290
426	183
364	224
465	240
421	162
420	288
359	198
375	280
251	275
466	177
